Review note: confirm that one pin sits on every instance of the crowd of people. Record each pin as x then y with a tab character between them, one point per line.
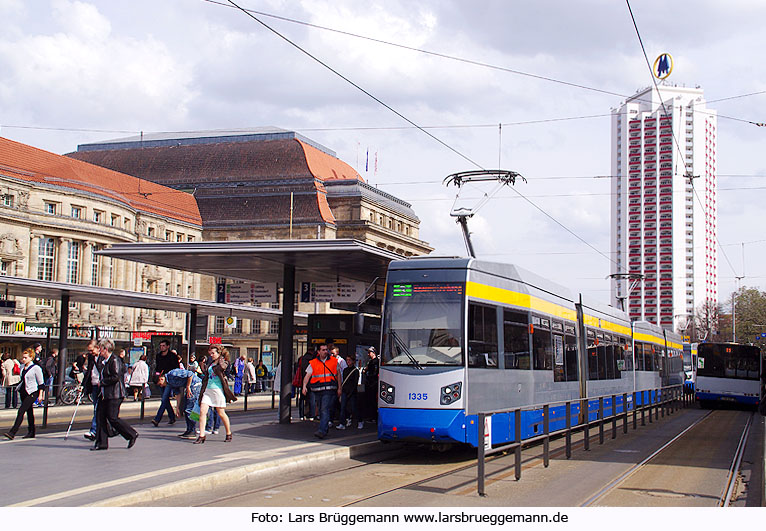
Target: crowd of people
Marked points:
325	384
327	388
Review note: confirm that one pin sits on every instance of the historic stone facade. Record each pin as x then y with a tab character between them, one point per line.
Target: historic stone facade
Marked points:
56	212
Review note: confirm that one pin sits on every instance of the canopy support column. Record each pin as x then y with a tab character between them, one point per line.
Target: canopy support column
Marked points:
286	343
191	333
63	336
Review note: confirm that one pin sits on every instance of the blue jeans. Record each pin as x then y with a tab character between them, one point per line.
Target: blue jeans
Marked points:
11	397
326	401
49	385
213	420
187	405
167	391
95	397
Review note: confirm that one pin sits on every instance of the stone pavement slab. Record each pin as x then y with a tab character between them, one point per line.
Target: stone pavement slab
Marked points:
64	473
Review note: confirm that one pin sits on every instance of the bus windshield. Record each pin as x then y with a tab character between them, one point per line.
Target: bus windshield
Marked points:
422	324
728	361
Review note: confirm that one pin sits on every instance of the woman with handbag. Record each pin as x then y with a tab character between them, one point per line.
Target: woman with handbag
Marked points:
215	391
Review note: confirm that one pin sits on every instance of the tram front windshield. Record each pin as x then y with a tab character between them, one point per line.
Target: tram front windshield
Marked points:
422	324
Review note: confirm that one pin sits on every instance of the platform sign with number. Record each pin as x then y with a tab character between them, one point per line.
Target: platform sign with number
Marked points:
332	291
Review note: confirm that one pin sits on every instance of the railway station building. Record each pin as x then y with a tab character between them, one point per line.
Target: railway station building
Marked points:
665	201
266	184
56	213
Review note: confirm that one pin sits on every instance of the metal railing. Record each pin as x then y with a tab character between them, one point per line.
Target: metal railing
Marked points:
666	400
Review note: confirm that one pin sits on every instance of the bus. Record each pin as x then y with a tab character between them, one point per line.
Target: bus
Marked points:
728	372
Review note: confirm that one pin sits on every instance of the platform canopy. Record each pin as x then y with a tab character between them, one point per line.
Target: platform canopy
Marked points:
265	260
283	261
25	287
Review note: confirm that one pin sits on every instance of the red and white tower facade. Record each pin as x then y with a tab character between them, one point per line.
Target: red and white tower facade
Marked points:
665	201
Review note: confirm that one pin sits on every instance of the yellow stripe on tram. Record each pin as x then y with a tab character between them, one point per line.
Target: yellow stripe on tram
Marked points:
523	300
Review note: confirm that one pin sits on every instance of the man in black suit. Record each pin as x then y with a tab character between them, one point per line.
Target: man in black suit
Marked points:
112	383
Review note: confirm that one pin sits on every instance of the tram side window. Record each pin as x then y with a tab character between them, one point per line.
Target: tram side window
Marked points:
620	362
482	336
559	371
611	373
542	350
602	361
516	339
638	353
592	360
570	358
627	356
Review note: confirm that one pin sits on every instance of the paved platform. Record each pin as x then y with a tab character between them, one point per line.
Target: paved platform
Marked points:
63	472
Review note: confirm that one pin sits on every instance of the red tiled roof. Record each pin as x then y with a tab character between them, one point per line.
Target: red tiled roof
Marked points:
254	162
30	164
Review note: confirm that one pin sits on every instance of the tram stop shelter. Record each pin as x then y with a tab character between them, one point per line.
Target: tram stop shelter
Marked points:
66	293
281	261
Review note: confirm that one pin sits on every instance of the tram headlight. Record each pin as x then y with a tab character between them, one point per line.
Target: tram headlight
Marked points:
451	393
387	392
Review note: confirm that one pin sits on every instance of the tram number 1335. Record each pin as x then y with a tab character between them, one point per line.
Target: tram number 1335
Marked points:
417	396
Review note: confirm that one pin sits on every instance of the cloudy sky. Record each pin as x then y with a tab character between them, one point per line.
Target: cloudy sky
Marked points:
73	72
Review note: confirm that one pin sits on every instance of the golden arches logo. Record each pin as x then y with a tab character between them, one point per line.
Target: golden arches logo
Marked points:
663	66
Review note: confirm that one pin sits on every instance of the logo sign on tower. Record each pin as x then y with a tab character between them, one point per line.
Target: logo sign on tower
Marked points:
663	66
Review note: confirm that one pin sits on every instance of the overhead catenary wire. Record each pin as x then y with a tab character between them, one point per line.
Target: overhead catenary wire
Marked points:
358	87
355	85
468	61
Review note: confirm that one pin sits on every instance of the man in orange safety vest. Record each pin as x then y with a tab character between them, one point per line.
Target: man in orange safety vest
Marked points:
322	378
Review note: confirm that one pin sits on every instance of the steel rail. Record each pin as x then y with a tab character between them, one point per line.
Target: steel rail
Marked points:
635	468
731	478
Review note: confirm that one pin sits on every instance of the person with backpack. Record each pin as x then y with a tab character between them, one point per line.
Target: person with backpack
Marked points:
349	410
261	373
50	370
11	378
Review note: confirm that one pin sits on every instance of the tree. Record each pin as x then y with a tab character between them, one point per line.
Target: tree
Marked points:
750	305
706	320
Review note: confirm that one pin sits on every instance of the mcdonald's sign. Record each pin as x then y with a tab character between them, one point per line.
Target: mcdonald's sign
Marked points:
20	326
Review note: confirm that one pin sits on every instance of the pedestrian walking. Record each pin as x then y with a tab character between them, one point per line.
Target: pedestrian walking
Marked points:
249	379
92	384
139	377
29	387
166	362
215	392
11	378
112	394
370	379
239	374
349	409
50	370
261	373
187	386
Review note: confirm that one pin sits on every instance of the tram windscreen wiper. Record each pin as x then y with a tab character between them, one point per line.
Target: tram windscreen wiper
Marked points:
403	347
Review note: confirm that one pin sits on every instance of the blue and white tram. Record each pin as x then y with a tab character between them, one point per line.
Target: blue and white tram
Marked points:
460	336
728	372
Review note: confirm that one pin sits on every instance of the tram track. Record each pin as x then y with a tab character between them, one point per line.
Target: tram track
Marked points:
405	473
729	487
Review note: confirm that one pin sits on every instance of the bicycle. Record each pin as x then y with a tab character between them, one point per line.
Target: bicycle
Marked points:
71	391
